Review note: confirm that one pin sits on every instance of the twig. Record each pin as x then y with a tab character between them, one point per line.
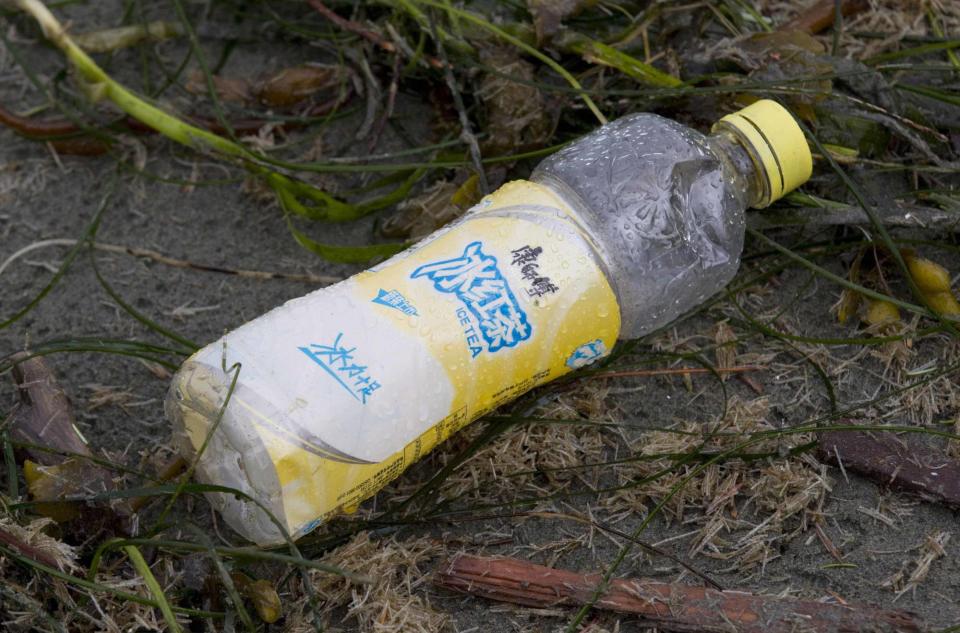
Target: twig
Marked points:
172	261
388	110
64	136
353	26
931	550
652	549
356	28
466	132
38	610
31	552
675	371
372	90
31	128
756	387
827	543
668	606
895	462
821	15
894	215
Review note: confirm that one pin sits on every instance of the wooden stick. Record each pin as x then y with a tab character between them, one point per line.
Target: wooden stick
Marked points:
45	416
31	552
895	462
173	261
668	606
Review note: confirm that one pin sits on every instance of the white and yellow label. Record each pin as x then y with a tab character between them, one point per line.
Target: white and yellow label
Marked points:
357	381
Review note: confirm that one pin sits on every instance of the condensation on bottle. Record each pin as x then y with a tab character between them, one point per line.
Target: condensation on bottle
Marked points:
310	409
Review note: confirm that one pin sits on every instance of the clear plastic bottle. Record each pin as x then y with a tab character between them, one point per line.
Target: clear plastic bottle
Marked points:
334	394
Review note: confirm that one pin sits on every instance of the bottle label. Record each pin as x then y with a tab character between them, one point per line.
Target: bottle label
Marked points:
366	376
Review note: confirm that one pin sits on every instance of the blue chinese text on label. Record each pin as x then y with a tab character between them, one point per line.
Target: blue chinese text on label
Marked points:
395	299
338	361
586	354
477	282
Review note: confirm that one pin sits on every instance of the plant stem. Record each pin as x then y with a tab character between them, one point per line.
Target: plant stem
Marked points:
144	570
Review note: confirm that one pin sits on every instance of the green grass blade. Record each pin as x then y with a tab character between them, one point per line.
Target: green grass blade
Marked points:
600	53
144	570
346	254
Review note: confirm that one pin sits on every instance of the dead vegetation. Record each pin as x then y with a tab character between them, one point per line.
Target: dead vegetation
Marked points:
393	602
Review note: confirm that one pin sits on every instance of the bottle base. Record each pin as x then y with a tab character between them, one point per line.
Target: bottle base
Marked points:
234	456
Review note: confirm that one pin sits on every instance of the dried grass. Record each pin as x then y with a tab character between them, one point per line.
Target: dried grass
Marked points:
901	364
418	216
898	18
741	509
912	573
726	352
23	179
531	459
115	616
393	602
78	610
33	535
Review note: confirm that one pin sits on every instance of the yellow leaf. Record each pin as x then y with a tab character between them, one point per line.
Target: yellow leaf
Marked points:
261	593
468	194
42	484
881	312
929	276
944	303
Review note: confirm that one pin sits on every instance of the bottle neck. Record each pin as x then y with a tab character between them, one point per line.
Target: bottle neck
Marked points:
747	172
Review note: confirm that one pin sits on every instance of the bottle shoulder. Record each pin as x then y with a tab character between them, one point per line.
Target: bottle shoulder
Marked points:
663	208
624	143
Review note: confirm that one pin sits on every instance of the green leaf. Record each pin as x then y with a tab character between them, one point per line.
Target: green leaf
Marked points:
346	254
600	53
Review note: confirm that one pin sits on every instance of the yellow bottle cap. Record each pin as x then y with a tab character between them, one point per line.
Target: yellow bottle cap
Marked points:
777	142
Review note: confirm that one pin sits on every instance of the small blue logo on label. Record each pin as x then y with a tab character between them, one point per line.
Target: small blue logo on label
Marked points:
586	354
338	361
477	282
394	299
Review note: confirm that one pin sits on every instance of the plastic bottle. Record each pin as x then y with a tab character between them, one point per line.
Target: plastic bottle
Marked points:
341	390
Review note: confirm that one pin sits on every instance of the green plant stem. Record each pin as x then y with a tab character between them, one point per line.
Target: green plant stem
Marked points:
923	49
600	53
144	570
103	86
237	553
95	586
296	196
